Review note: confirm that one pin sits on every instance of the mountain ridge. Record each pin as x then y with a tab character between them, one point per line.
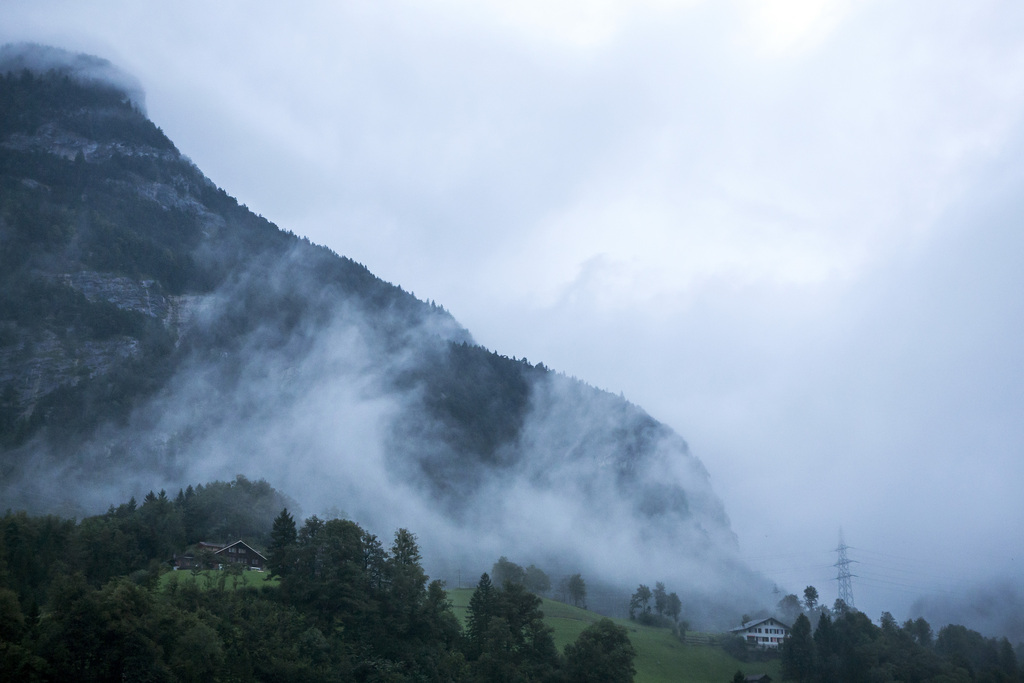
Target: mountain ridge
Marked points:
150	326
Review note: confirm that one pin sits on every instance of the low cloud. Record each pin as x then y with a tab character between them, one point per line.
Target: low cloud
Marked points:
994	609
81	67
589	483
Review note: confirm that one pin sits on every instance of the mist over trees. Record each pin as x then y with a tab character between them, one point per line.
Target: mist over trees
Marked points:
657	608
996	608
532	578
574	587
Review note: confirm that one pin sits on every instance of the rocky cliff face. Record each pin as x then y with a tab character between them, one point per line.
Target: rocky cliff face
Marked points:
114	245
37	363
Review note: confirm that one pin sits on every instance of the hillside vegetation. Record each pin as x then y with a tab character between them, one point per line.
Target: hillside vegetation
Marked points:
660	656
98	601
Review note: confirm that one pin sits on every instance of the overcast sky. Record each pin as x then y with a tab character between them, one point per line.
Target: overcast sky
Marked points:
791	230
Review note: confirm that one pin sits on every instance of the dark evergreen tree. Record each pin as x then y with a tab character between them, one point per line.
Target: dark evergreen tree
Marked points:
407	586
660	598
1007	661
674	606
826	645
515	644
798	656
482	606
375	564
280	552
601	654
576	588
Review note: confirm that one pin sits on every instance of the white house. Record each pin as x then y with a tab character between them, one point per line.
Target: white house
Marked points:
769	632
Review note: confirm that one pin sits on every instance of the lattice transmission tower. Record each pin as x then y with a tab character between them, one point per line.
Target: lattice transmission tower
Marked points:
843	564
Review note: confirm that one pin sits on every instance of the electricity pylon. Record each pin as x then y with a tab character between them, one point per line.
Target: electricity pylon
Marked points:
843	563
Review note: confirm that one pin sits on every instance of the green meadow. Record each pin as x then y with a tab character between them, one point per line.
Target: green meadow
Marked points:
211	579
660	655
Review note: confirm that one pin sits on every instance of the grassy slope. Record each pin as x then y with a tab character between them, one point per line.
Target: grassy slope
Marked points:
209	579
660	656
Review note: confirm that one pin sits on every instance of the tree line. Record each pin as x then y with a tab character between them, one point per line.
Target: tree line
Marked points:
844	645
663	611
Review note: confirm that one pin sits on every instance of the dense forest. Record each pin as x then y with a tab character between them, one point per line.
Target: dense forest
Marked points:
97	600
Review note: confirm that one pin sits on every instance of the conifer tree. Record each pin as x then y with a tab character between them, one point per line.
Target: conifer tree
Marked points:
282	538
482	606
798	656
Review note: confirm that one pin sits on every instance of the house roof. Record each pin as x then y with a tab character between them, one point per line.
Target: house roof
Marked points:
758	622
242	543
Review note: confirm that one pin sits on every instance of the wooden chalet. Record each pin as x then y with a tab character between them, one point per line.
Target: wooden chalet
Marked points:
238	552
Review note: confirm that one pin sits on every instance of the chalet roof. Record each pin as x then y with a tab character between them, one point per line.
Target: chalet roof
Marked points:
758	622
241	543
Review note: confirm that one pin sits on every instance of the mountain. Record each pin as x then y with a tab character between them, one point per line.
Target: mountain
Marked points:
152	330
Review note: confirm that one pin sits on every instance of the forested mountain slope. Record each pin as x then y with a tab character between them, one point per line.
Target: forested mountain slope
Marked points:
152	329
